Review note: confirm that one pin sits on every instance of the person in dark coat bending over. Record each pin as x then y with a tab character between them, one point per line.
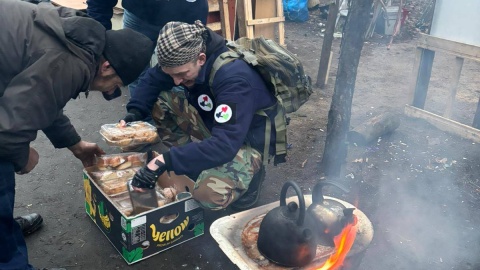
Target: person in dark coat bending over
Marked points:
225	161
49	56
148	16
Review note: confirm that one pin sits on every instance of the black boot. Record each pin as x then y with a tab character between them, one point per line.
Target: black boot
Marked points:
250	197
29	223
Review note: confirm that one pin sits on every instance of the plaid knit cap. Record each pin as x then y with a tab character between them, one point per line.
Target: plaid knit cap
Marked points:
179	43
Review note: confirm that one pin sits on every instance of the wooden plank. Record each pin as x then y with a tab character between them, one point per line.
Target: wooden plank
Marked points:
476	119
396	27
444	124
453	88
232	14
281	27
75	4
376	11
325	56
264	9
225	20
249	16
451	47
215	26
423	78
328	67
265	21
241	17
213	6
415	70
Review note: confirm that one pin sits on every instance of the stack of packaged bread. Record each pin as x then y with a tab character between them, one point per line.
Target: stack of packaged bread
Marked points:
112	172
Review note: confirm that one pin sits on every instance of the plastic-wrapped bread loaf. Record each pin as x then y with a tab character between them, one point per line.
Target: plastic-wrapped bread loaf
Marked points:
121	161
115	186
135	133
105	176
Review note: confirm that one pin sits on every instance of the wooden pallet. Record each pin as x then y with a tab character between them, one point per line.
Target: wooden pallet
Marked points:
425	53
261	18
219	19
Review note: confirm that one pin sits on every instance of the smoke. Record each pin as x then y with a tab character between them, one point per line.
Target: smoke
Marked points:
424	224
420	187
412	190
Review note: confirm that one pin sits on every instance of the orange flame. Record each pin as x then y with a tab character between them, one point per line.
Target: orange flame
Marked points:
343	244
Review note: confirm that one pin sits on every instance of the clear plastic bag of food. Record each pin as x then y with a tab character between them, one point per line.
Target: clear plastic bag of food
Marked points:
121	161
101	177
135	133
115	186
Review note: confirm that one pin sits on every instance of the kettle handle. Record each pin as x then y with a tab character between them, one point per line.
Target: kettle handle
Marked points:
317	194
301	200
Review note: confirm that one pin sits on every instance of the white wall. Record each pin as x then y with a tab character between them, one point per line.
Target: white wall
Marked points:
457	20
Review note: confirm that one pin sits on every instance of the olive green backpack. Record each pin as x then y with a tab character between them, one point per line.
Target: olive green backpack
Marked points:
284	75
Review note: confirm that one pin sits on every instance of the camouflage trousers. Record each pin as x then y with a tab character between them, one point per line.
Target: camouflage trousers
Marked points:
177	122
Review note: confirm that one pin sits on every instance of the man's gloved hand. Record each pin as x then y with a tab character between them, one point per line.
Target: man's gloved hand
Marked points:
129	117
147	178
132	116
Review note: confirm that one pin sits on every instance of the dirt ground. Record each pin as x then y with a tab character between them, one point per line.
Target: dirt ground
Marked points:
419	186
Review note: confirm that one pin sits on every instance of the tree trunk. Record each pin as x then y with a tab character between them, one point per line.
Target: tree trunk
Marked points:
340	109
324	64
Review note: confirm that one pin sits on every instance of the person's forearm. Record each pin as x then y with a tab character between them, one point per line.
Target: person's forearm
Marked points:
61	132
76	148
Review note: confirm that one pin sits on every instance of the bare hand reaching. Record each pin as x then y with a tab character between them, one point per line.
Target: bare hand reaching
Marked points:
86	152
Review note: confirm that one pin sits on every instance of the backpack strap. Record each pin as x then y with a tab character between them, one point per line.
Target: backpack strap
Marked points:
229	56
221	60
268	132
280	126
248	55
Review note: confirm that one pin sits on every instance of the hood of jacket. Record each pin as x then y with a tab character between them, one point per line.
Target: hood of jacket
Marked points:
80	34
214	43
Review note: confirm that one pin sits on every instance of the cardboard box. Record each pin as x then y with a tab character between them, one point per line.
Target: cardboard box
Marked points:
146	234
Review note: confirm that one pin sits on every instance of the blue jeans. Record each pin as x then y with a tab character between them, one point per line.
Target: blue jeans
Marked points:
13	250
151	31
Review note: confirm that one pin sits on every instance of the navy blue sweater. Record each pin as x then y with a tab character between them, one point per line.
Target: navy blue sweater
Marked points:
155	12
235	84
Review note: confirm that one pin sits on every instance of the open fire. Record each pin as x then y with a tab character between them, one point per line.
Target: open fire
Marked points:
343	243
345	251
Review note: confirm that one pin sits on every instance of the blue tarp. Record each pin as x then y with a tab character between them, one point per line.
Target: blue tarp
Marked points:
296	10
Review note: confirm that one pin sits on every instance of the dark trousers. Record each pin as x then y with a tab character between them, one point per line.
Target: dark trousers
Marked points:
13	250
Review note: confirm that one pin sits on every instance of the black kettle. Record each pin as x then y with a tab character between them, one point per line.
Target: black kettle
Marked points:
285	235
330	216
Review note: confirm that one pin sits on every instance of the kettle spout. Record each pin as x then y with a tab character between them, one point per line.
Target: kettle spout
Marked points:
347	218
318	190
